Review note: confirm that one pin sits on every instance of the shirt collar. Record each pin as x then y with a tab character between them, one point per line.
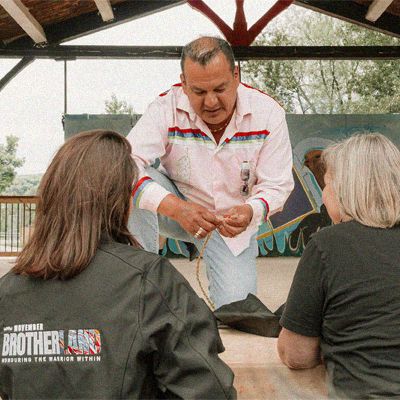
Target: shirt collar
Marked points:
183	104
243	106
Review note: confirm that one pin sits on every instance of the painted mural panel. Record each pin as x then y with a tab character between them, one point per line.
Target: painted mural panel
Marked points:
287	232
310	134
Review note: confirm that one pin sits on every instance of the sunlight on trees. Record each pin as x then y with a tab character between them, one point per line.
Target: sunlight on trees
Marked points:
331	86
115	106
9	162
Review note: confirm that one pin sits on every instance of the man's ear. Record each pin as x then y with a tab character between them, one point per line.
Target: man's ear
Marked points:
236	74
183	81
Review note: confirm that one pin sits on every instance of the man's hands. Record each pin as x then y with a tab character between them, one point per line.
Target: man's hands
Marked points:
236	220
191	217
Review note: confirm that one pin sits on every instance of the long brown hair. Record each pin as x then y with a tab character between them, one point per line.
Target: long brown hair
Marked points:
84	195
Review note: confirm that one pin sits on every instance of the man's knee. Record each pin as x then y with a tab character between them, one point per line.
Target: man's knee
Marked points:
163	180
232	294
234	288
239	292
152	173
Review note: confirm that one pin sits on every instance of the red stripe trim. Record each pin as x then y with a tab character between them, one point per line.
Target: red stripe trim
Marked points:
166	92
258	90
266	206
264	132
145	178
189	130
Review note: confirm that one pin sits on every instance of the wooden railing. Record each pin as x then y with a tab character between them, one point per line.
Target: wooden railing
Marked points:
17	214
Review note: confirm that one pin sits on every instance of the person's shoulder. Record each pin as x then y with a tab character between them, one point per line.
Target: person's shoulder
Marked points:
5	280
171	94
163	278
173	90
260	97
170	99
334	236
9	284
127	256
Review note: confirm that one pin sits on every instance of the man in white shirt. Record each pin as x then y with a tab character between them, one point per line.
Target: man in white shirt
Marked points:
225	167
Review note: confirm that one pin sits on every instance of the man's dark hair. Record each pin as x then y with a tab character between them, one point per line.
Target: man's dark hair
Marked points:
84	195
204	49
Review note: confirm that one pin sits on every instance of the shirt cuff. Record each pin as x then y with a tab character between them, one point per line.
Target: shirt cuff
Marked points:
260	209
148	194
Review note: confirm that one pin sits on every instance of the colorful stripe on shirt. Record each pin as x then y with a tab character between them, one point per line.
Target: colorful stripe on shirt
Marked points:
139	188
248	137
266	207
179	134
166	92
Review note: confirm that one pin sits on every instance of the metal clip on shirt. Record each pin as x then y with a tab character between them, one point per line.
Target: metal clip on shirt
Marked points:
245	177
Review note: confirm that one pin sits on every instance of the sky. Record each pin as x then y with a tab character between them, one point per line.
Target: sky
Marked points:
32	104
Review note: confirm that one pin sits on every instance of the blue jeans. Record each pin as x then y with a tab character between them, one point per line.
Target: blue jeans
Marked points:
231	278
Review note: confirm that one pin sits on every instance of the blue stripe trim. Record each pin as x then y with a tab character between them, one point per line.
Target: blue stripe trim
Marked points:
140	190
189	135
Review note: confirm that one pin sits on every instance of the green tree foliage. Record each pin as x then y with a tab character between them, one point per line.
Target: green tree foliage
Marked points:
24	185
115	106
8	162
328	86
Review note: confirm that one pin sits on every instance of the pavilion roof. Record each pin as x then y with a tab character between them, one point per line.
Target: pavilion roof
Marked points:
60	20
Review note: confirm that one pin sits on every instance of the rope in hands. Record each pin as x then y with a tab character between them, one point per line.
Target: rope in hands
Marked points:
198	261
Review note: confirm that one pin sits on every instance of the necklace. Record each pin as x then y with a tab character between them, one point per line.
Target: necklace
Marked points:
220	128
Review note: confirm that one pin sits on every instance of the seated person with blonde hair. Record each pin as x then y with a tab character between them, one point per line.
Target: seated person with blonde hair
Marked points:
85	313
344	304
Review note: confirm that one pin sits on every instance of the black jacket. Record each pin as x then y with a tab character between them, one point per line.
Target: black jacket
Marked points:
129	326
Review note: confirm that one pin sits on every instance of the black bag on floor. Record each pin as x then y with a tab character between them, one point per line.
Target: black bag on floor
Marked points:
251	315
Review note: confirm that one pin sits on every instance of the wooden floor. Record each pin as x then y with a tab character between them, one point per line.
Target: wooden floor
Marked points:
259	374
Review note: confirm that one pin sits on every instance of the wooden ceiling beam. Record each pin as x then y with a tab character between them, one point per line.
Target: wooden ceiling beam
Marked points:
240	35
376	9
89	23
71	52
84	25
105	10
24	19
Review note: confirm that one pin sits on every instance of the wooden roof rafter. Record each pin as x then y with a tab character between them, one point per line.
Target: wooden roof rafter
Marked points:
105	10
88	23
17	10
240	35
376	9
80	26
72	23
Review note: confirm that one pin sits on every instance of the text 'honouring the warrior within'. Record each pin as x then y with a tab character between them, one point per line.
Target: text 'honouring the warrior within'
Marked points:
22	342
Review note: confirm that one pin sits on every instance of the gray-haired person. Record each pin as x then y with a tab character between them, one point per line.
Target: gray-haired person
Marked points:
344	303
